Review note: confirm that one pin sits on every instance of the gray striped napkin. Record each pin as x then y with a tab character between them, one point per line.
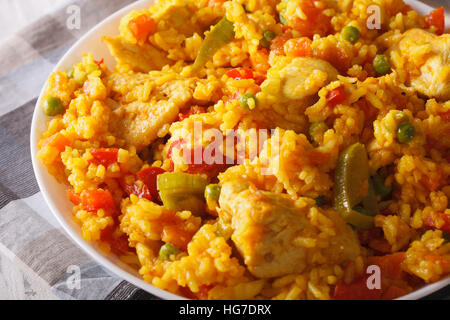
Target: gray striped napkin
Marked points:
35	253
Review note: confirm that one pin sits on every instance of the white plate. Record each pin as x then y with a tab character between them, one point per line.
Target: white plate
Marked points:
54	193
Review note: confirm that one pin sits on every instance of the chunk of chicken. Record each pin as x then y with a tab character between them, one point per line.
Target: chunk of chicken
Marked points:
303	77
292	85
138	122
140	58
426	59
277	237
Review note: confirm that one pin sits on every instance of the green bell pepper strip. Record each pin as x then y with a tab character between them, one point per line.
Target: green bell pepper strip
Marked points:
221	34
182	191
351	177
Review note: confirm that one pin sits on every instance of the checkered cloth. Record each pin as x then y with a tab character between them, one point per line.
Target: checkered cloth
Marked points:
29	234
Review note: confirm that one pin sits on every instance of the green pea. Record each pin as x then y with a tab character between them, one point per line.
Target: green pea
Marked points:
405	132
53	107
380	188
381	64
320	201
248	100
351	34
268	35
212	192
167	251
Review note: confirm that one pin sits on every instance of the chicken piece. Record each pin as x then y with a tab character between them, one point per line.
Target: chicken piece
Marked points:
292	85
277	237
298	78
143	58
138	122
425	59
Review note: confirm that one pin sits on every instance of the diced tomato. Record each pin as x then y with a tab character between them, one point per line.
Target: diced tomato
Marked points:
73	197
191	111
316	21
390	265
298	47
149	177
436	18
58	141
438	220
394	292
92	200
260	61
139	190
104	156
142	26
240	73
336	96
357	290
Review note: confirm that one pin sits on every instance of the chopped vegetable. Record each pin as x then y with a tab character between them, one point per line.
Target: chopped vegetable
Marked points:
249	101
167	251
182	191
436	18
142	26
212	195
405	132
212	192
351	181
104	156
268	35
221	34
149	177
138	188
380	188
336	96
53	107
92	200
381	64
350	34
